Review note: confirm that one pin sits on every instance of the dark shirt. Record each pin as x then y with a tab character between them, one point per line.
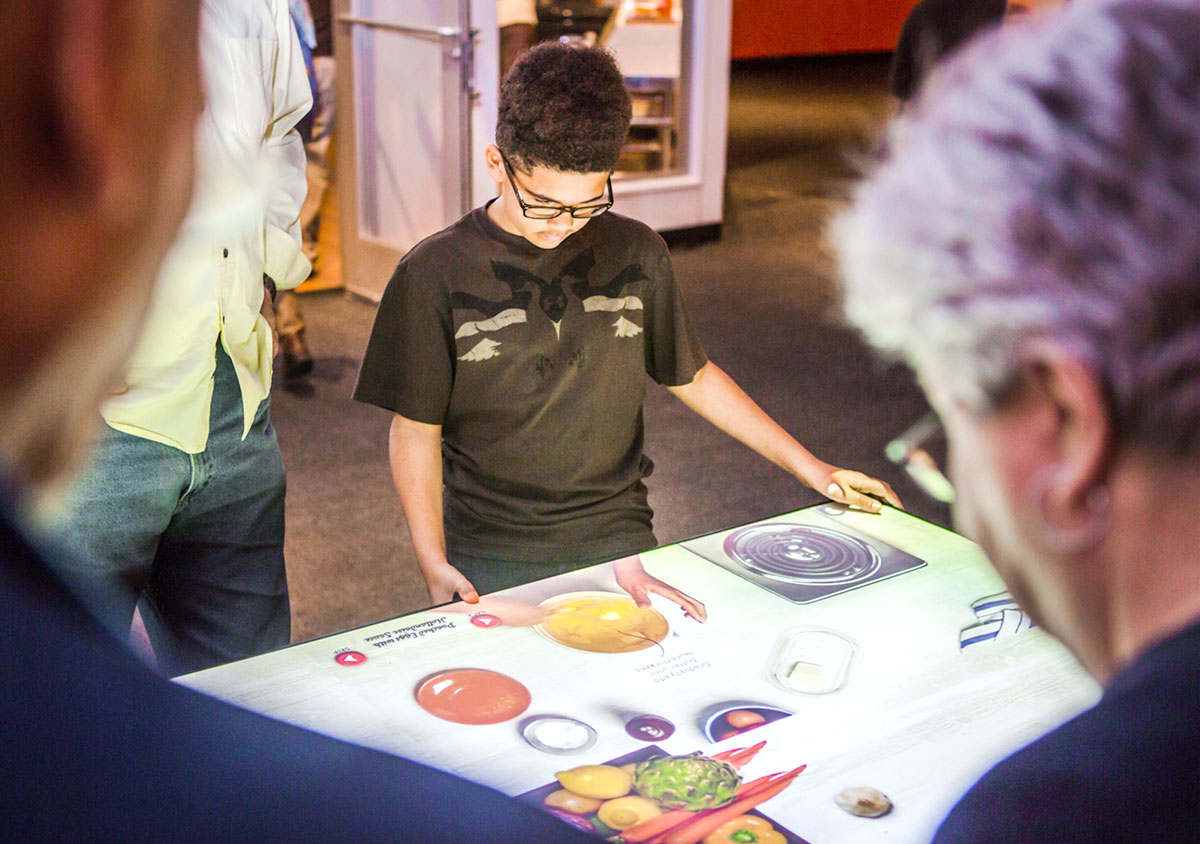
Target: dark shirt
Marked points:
534	362
96	748
932	30
1127	770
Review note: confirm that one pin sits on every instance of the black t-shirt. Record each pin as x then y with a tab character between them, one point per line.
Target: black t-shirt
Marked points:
932	30
1126	770
534	362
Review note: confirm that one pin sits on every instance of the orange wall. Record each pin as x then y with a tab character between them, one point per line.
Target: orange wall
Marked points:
811	27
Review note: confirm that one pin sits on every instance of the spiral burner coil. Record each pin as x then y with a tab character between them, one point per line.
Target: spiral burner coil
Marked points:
803	554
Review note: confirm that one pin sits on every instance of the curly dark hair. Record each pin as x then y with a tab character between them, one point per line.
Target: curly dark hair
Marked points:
564	107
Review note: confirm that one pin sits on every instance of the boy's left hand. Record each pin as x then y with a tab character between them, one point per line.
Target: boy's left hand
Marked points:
640	584
847	486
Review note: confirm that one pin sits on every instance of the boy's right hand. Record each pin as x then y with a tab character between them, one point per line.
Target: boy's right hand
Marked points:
444	580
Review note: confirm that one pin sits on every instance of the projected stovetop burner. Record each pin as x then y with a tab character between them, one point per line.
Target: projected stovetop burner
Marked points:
806	555
803	554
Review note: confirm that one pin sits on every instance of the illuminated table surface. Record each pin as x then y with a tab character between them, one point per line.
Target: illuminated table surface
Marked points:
916	715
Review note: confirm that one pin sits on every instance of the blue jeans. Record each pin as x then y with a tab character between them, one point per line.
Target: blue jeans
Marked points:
194	540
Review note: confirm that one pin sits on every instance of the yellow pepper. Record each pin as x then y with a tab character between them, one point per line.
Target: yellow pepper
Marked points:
746	829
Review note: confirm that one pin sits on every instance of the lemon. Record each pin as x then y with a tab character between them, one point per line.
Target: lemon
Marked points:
603	782
624	812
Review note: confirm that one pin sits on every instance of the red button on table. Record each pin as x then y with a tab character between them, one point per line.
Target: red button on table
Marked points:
486	620
351	658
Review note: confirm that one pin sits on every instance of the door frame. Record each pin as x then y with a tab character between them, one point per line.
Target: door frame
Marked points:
469	67
694	198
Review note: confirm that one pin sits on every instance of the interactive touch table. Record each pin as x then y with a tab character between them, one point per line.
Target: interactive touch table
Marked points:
876	650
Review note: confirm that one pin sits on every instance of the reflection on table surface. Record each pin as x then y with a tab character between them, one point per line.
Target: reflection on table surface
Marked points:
910	672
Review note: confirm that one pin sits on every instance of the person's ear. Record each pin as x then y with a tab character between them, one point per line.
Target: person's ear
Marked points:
1069	490
495	166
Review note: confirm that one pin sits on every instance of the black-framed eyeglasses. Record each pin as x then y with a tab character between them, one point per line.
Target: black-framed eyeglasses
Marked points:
549	212
911	450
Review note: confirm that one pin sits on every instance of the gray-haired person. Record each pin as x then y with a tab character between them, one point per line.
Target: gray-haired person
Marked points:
1031	245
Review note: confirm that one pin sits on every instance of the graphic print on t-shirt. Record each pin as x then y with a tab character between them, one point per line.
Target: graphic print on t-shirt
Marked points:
607	297
552	298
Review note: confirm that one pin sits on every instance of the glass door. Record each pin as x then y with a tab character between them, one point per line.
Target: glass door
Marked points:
416	93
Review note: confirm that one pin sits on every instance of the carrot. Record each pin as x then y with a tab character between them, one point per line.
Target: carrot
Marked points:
744	755
748	789
650	831
656	830
757	792
660	838
694	831
656	826
647	831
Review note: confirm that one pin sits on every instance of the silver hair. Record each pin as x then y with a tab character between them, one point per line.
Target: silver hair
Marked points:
1046	186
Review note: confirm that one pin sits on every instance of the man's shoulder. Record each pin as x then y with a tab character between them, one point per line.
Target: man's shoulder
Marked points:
1130	764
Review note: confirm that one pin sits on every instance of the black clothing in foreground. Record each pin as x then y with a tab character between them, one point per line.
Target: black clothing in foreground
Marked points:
96	748
1126	770
933	29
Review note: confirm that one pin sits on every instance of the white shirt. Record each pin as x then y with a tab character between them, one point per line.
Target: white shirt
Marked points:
244	221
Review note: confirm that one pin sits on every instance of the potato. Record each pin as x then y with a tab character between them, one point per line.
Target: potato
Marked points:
569	801
740	718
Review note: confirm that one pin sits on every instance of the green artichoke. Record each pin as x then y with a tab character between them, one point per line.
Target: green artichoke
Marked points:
691	782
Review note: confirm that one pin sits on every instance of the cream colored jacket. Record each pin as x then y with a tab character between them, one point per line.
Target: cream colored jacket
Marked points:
244	221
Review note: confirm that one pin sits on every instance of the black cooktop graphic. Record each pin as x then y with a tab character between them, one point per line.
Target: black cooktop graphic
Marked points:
804	556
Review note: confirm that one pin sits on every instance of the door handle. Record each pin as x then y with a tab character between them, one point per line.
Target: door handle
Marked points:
458	44
432	33
462	44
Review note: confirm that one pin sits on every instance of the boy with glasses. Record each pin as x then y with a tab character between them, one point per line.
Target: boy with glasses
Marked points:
514	346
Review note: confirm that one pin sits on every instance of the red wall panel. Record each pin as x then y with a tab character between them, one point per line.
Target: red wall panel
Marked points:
815	27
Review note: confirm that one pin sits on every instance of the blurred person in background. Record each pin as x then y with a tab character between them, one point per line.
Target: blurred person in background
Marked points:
517	20
314	25
101	100
181	512
1031	245
932	30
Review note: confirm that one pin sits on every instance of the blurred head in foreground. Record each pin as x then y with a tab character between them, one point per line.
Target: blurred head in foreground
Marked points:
1031	246
100	99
